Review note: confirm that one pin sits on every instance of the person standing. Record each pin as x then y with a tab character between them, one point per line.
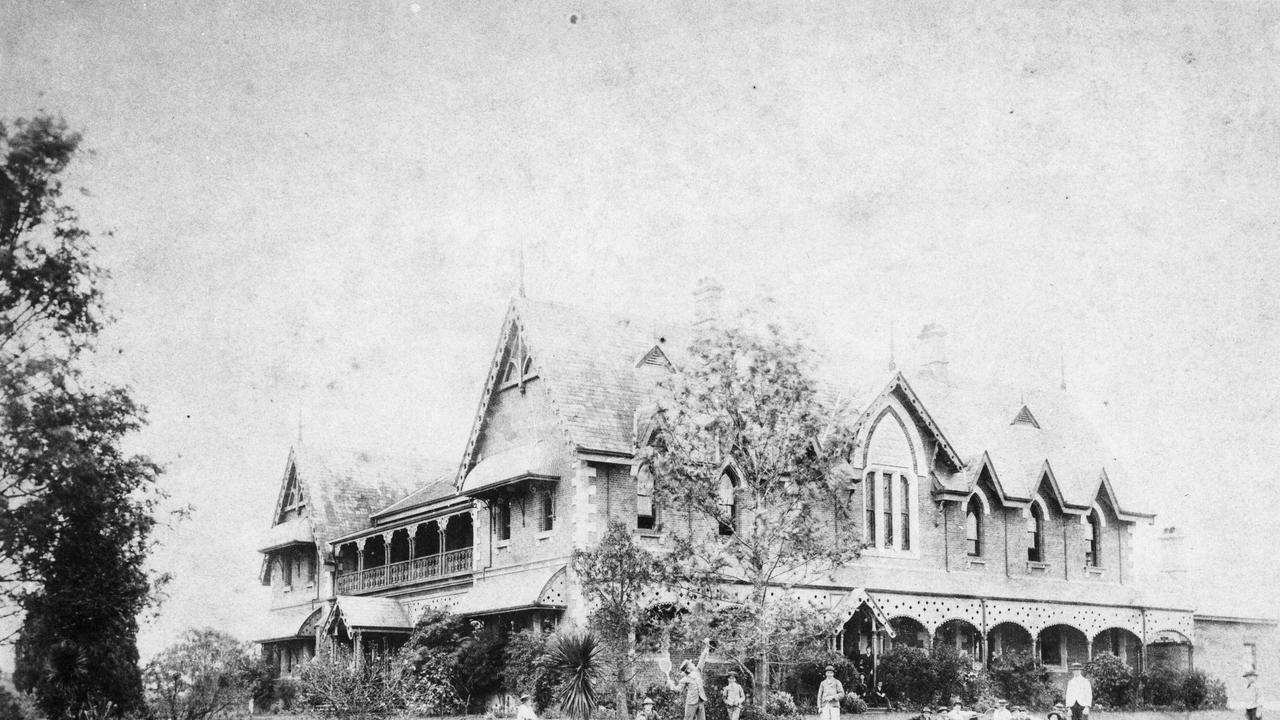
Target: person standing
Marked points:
734	696
691	687
1252	695
525	710
830	693
1079	693
1002	710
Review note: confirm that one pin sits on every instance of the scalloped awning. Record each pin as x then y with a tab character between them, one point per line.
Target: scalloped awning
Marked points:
294	532
523	590
539	460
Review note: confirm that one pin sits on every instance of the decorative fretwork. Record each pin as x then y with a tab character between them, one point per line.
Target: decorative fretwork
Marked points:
454	562
931	612
555	591
1161	622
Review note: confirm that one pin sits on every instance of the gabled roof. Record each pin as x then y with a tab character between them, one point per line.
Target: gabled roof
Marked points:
343	488
587	362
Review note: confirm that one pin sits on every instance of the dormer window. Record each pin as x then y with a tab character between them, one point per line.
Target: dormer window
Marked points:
1092	536
646	517
726	496
294	501
1035	534
973	527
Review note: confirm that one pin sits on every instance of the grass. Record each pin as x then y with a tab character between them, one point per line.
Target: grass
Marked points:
1099	715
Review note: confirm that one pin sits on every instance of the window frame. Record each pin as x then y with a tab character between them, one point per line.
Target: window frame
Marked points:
974	545
890	510
1093	548
546	511
645	481
1035	528
502	521
730	527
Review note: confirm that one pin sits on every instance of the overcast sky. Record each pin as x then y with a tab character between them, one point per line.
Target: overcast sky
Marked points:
318	207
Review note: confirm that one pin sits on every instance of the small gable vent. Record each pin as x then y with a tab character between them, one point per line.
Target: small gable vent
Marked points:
655	357
1025	418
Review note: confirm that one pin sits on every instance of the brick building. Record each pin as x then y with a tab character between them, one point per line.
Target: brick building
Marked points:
993	519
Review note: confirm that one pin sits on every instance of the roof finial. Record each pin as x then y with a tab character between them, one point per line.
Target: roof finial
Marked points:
520	289
893	360
1062	364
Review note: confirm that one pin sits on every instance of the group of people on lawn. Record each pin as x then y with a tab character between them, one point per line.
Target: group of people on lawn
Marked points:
1078	700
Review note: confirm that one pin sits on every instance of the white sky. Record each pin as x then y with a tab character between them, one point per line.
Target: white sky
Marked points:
317	208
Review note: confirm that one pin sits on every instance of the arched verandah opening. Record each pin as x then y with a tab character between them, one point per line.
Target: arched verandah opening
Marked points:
375	552
1009	637
458	533
426	539
348	558
399	545
908	632
1171	648
1120	642
961	635
1061	645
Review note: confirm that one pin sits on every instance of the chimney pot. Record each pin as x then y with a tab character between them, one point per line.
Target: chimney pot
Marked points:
933	352
707	298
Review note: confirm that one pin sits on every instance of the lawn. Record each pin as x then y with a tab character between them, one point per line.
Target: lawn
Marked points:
1100	715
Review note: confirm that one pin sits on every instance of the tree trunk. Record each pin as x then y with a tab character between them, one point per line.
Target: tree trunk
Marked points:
762	679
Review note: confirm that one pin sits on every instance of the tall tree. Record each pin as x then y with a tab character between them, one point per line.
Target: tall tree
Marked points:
750	459
614	576
76	511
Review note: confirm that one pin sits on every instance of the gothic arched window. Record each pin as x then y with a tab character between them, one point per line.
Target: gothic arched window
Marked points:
1035	534
973	527
1092	537
726	497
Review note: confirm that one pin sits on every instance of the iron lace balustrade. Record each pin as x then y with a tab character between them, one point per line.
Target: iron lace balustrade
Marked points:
449	563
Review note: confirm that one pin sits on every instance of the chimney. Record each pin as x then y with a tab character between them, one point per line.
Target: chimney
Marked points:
933	352
707	297
1173	554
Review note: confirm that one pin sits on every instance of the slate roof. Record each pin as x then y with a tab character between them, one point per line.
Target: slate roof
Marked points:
370	612
439	489
343	488
589	361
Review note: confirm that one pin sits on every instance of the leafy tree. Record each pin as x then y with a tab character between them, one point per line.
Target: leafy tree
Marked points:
576	656
749	458
76	512
447	648
614	576
525	668
206	674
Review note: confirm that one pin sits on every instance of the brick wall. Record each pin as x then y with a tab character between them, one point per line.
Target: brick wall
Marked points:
1220	651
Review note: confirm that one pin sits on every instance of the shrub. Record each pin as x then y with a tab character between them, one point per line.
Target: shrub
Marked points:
853	704
780	704
908	675
751	712
1114	682
1021	679
524	669
953	675
1215	695
1162	687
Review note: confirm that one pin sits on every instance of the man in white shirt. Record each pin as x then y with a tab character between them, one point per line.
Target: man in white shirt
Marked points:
690	687
1002	710
1079	693
1252	696
830	693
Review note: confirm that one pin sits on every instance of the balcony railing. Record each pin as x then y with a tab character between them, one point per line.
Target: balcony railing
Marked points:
399	573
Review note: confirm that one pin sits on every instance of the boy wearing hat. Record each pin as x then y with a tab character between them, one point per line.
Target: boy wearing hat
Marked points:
1079	693
1059	712
647	713
734	696
525	710
830	693
1002	711
1252	695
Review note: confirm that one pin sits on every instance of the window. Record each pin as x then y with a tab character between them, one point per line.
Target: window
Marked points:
1035	533
286	569
887	484
519	367
973	527
871	508
645	516
546	511
1092	536
1251	656
503	519
727	496
904	510
293	500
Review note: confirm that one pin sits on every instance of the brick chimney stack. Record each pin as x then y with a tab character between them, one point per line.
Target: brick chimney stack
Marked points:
933	352
708	297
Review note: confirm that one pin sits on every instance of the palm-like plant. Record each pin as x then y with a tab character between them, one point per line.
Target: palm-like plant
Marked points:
576	656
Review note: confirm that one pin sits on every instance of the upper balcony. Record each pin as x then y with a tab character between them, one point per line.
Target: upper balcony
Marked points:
442	565
420	552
